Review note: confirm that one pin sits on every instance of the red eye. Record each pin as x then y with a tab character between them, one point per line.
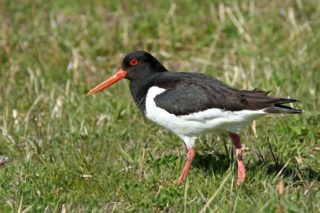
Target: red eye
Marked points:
133	62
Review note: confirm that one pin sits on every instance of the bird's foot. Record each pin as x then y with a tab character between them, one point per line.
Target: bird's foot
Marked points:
241	169
181	180
184	174
241	173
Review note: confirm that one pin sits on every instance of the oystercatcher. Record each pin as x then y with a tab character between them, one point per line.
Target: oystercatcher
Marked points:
191	104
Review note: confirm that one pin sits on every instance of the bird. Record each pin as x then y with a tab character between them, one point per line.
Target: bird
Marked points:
192	104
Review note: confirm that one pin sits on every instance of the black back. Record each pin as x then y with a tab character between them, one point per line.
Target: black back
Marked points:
189	93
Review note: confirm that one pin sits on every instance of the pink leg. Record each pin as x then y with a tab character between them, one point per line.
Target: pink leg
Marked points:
241	169
190	157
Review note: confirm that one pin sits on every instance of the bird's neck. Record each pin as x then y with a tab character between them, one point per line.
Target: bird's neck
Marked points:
139	89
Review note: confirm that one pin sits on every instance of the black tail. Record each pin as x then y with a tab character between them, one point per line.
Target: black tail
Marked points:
278	108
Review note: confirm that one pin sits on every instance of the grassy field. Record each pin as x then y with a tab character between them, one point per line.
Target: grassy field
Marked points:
61	150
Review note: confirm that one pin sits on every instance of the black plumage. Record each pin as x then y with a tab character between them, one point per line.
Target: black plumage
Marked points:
193	92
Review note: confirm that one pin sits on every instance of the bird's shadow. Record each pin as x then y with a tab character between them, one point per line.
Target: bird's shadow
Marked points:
219	163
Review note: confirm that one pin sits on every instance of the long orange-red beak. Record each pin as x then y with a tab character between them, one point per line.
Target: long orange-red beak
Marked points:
113	79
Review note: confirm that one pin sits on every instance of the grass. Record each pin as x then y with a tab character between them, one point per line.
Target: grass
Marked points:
63	151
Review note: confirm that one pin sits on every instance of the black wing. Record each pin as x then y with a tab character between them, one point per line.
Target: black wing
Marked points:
190	92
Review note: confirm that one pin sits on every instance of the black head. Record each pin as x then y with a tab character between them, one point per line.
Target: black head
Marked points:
138	67
141	64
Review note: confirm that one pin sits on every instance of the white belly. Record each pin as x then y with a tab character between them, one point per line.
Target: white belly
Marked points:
195	124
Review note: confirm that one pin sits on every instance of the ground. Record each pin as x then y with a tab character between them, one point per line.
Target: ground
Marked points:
61	150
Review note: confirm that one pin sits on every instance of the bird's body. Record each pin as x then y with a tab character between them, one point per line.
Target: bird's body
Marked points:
197	123
192	104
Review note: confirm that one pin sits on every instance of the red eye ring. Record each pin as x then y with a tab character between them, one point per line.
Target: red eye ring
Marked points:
133	62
